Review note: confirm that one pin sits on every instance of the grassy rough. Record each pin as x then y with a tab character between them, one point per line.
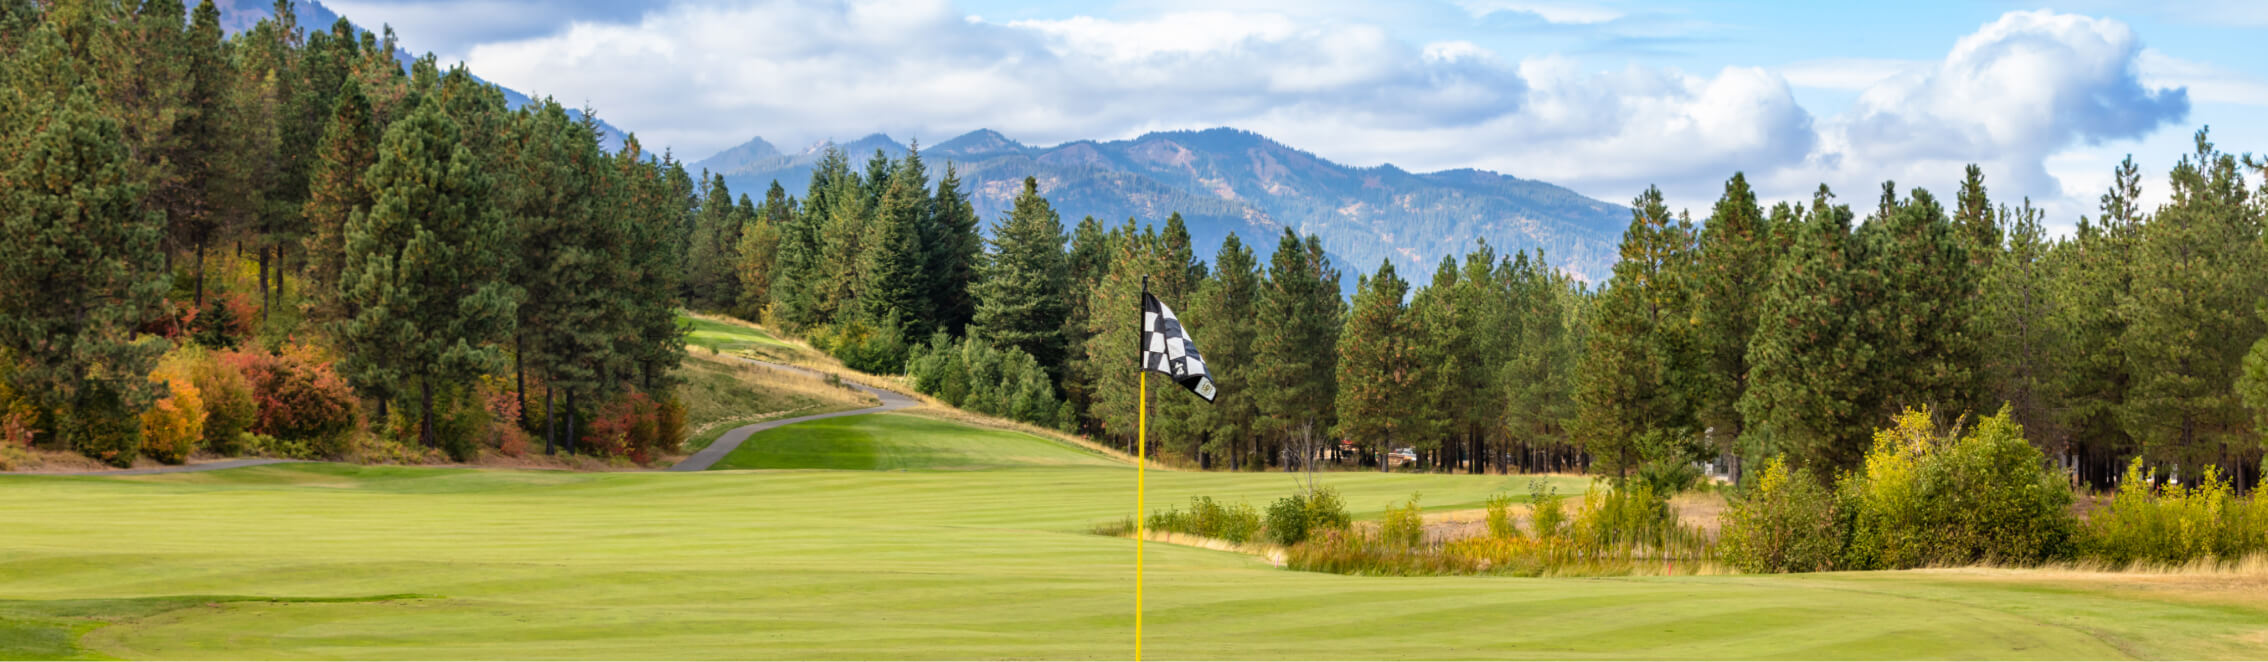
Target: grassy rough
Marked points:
986	563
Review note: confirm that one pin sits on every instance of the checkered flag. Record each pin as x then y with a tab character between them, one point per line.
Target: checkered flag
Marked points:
1167	350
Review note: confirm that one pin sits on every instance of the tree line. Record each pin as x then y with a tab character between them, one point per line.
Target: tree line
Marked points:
404	220
1788	332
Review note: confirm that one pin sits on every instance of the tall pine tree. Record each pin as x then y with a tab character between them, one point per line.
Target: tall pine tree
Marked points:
1024	294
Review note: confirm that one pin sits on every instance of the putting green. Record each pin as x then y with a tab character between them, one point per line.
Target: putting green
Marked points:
986	563
896	442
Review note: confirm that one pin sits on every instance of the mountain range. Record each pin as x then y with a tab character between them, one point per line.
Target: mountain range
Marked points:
1226	180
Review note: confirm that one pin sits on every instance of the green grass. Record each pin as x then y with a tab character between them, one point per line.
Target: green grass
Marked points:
982	563
722	393
896	442
726	337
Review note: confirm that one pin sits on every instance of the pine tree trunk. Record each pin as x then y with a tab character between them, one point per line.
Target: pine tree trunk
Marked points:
425	415
520	377
570	441
550	423
200	300
260	256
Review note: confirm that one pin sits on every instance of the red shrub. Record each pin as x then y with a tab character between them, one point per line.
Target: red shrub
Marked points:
503	425
300	397
637	427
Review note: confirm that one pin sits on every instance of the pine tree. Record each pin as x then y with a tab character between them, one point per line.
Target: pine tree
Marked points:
653	344
893	270
2021	346
1221	313
189	193
2191	317
1737	251
1922	308
1110	332
844	238
1439	339
709	281
421	270
1023	296
759	251
335	192
2094	273
955	252
1630	397
1481	295
797	288
1377	371
1087	261
1296	346
82	267
1538	373
1979	226
1810	367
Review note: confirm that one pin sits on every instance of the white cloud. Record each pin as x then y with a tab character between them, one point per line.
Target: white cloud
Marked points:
1564	13
2018	91
2206	82
1848	74
703	78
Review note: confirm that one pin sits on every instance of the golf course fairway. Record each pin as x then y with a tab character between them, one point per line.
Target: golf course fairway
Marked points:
942	554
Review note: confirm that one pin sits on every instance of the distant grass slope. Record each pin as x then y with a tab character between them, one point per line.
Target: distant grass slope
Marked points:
930	565
721	391
895	442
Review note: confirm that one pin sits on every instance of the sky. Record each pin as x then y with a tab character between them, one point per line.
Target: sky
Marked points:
1605	97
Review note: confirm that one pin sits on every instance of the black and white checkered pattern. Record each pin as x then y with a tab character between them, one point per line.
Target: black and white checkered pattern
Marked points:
1167	350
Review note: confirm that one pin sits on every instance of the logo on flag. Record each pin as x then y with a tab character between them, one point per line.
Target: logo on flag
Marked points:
1167	350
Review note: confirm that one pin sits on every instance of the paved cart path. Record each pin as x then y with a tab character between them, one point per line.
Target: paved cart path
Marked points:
731	439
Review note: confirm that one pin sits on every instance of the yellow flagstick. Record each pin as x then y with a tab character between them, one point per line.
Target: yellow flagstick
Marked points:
1141	463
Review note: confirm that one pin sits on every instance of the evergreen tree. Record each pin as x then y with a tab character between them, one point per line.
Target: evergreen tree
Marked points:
81	268
759	251
710	284
200	150
1439	341
893	269
653	344
844	238
1737	251
1088	261
955	252
1377	370
1222	313
796	291
1114	303
1631	406
1295	346
2022	346
1922	308
2191	314
1979	227
1538	373
1023	296
1810	366
335	192
421	270
2093	275
1481	299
